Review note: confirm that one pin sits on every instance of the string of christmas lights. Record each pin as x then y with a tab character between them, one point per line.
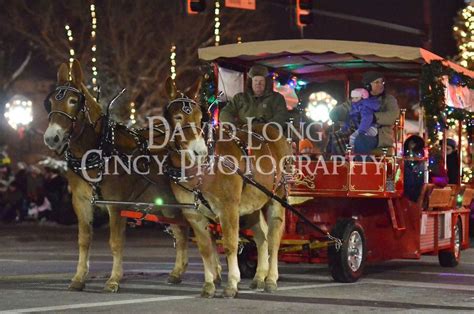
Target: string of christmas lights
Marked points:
173	61
70	39
217	23
464	34
132	113
93	46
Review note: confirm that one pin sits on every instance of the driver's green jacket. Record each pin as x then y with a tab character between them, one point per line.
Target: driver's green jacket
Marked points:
271	107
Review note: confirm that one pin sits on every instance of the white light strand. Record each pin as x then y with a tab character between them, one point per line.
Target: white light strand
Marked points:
93	46
173	61
217	23
70	39
464	33
132	113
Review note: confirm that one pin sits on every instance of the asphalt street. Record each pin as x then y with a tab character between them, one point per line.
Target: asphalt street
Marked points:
37	262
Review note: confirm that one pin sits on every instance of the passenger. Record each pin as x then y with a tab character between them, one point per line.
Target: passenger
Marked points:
452	161
438	174
361	118
385	118
305	147
414	169
257	101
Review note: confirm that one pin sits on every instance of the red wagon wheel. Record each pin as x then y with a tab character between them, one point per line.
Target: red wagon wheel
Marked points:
347	264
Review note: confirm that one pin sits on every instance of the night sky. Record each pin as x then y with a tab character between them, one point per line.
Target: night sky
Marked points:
408	13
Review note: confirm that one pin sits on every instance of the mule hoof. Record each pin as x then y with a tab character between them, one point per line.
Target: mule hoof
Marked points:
208	290
229	292
270	286
218	281
257	285
76	286
112	287
174	280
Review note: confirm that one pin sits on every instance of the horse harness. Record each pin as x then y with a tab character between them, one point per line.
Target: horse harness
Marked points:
177	176
106	140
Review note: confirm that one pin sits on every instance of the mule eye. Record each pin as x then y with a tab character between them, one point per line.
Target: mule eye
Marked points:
73	101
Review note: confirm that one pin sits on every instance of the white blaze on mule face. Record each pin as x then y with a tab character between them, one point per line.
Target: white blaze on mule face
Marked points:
197	149
55	137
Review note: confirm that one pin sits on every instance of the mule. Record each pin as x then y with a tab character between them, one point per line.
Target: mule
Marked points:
76	125
227	195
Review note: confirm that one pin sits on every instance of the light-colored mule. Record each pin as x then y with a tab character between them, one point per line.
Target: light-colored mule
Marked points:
228	196
76	120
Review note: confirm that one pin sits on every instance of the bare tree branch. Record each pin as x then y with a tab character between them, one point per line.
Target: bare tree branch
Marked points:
20	69
133	40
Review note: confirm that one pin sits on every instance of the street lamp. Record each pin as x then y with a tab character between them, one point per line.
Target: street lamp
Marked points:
18	112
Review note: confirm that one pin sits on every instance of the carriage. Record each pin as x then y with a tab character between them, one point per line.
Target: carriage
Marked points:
363	204
357	213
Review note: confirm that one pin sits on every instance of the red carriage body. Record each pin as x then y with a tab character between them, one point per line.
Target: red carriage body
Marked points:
357	199
361	203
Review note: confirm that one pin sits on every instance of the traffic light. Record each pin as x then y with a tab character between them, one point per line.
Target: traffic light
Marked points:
196	6
303	12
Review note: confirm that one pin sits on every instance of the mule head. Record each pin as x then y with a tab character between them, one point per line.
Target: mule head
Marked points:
184	116
66	105
182	108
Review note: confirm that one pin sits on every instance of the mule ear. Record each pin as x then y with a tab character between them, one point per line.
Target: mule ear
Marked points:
193	91
76	72
171	90
63	74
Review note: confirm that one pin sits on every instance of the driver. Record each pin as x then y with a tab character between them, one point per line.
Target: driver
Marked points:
257	101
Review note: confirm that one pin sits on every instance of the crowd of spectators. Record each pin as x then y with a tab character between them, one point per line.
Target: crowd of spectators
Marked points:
34	192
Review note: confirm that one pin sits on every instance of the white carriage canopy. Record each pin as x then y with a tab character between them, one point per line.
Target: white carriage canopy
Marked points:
317	59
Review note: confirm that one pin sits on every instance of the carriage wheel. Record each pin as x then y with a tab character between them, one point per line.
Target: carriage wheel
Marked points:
451	257
347	264
247	261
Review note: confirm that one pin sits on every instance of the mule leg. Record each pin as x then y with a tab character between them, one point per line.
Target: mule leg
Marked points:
276	219
180	234
217	265
116	242
83	210
260	231
230	239
207	250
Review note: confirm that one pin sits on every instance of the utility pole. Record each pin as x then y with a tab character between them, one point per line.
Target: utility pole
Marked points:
427	39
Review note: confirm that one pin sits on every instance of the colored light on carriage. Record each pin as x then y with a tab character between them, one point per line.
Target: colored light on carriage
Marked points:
159	201
301	83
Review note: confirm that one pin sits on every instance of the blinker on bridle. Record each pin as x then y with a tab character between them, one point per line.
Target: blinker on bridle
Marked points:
61	92
187	104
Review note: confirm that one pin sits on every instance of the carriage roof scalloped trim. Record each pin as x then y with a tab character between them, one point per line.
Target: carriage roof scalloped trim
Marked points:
308	58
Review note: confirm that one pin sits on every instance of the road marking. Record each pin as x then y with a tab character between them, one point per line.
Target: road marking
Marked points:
441	274
97	304
148	300
92	262
413	284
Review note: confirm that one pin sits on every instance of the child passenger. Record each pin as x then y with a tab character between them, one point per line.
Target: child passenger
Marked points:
361	116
